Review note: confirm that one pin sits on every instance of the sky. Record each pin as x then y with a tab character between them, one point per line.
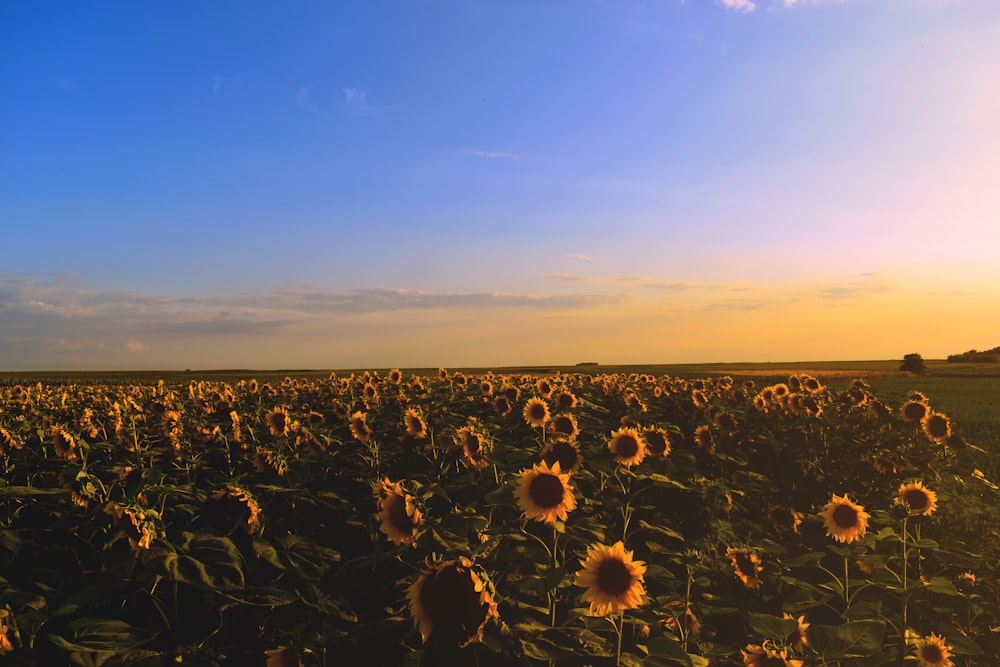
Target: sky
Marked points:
424	183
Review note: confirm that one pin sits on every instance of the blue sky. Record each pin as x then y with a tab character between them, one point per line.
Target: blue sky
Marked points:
435	182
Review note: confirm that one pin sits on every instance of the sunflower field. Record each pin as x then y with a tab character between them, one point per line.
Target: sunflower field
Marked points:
451	519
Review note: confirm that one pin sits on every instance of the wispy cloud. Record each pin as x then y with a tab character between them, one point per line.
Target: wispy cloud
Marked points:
639	281
356	104
494	155
739	5
304	100
581	258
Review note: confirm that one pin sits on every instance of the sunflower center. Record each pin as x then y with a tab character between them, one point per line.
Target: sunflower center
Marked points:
916	499
914	410
537	411
744	564
931	653
937	426
613	577
563	425
565	454
657	443
472	444
627	446
546	490
398	517
845	516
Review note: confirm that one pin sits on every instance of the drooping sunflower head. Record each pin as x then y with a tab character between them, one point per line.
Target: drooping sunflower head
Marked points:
747	566
473	444
359	427
613	579
931	651
564	452
64	443
501	405
277	422
936	426
785	519
415	425
566	425
845	521
704	439
452	603
920	500
798	639
656	440
545	494
536	412
628	446
398	512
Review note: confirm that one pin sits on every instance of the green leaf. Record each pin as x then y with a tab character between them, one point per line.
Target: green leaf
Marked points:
941	586
100	634
772	627
663	647
856	639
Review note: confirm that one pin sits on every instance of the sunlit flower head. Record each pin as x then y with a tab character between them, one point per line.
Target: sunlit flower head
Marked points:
914	411
628	446
64	444
239	506
395	376
564	452
919	499
566	425
566	400
359	427
473	445
398	512
936	426
415	425
747	566
931	651
545	494
811	384
501	405
277	422
614	581
135	522
845	521
755	655
452	603
536	412
544	388
704	439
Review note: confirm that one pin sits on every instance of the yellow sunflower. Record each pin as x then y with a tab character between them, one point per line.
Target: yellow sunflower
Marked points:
564	452
64	443
919	499
398	512
755	655
544	493
614	581
797	639
473	446
845	521
566	425
277	422
359	427
452	603
566	400
704	439
628	446
931	651
395	376
415	425
936	426
914	411
501	405
657	441
536	412
747	566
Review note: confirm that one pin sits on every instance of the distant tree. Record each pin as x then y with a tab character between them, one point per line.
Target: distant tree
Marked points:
913	363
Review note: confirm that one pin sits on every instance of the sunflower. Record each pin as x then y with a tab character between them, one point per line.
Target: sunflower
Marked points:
395	376
359	427
811	384
797	639
486	388
656	441
698	398
920	500
472	446
566	400
452	603
931	651
755	655
614	581
398	512
340	410
564	452
966	581
536	412
135	522
844	520
703	438
747	567
565	424
501	405
237	503
914	411
545	494
369	392
64	444
784	518
277	422
415	425
936	426
628	446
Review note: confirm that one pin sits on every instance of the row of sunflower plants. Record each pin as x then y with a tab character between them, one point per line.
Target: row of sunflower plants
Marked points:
497	519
